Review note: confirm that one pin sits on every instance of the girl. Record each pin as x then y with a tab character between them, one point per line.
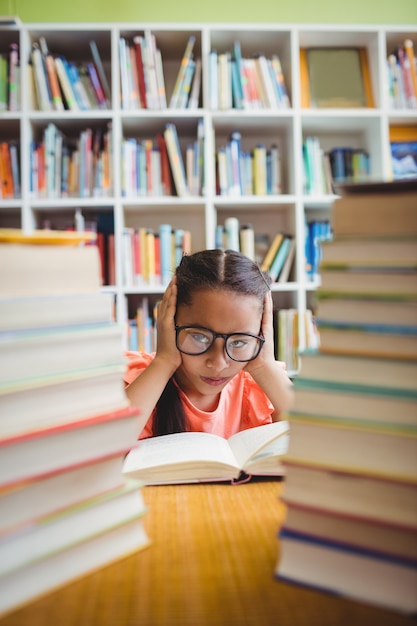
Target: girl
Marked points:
214	368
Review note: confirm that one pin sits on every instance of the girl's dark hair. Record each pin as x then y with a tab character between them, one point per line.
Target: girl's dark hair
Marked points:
208	269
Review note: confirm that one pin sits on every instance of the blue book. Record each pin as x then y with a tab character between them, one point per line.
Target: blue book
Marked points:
280	257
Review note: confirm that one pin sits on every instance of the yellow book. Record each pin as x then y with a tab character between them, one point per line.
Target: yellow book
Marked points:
272	251
46	237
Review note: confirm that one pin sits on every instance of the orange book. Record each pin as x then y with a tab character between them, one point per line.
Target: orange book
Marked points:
304	80
7	190
53	83
409	50
111	270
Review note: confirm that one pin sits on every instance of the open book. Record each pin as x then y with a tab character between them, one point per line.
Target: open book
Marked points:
196	457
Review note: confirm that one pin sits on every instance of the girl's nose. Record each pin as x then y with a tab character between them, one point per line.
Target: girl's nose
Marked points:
216	356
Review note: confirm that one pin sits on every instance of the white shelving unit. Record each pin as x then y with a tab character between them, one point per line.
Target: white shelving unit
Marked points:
367	128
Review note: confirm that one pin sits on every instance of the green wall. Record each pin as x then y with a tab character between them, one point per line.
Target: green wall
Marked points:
284	11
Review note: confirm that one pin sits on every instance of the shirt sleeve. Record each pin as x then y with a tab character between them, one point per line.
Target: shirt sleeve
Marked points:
257	408
137	362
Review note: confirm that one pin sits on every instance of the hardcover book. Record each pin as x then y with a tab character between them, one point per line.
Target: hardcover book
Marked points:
198	457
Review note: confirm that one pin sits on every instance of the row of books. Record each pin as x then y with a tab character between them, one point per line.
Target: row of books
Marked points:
323	167
59	84
351	466
279	259
141	329
61	167
9	170
142	83
149	257
276	257
402	77
10	98
246	82
289	324
155	167
66	507
242	172
142	75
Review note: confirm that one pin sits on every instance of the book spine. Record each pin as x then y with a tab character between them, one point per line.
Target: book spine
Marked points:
247	241
187	55
100	70
231	225
165	241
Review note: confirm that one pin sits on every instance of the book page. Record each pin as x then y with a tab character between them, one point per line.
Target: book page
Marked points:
250	442
179	448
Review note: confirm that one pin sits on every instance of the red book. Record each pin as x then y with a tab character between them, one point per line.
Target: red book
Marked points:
141	76
165	168
100	242
111	270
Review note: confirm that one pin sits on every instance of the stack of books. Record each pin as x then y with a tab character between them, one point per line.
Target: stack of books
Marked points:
351	482
66	424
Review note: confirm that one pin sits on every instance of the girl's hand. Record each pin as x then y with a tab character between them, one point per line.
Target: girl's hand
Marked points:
165	324
267	354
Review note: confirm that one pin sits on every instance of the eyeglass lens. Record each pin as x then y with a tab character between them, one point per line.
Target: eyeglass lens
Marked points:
240	347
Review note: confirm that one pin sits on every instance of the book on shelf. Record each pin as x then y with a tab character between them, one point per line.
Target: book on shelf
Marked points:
333	77
194	99
200	457
272	251
98	63
288	336
176	160
280	258
285	272
404	159
186	58
13	95
402	76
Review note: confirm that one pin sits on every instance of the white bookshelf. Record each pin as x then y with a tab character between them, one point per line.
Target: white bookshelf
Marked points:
366	128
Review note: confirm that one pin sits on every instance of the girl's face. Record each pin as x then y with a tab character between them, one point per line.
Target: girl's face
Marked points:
202	377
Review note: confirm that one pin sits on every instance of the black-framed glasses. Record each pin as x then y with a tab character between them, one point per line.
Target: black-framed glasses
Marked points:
195	340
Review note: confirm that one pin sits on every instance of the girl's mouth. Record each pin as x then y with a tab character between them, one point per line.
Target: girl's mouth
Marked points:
214	382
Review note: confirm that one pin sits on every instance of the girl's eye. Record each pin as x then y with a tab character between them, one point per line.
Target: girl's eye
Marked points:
237	343
200	338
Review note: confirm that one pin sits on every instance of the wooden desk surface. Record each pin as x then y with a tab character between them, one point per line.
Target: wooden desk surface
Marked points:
213	554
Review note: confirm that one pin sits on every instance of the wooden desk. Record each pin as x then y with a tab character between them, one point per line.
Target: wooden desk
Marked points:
214	550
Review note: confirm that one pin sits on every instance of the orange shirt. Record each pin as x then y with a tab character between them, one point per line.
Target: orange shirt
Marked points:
242	403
